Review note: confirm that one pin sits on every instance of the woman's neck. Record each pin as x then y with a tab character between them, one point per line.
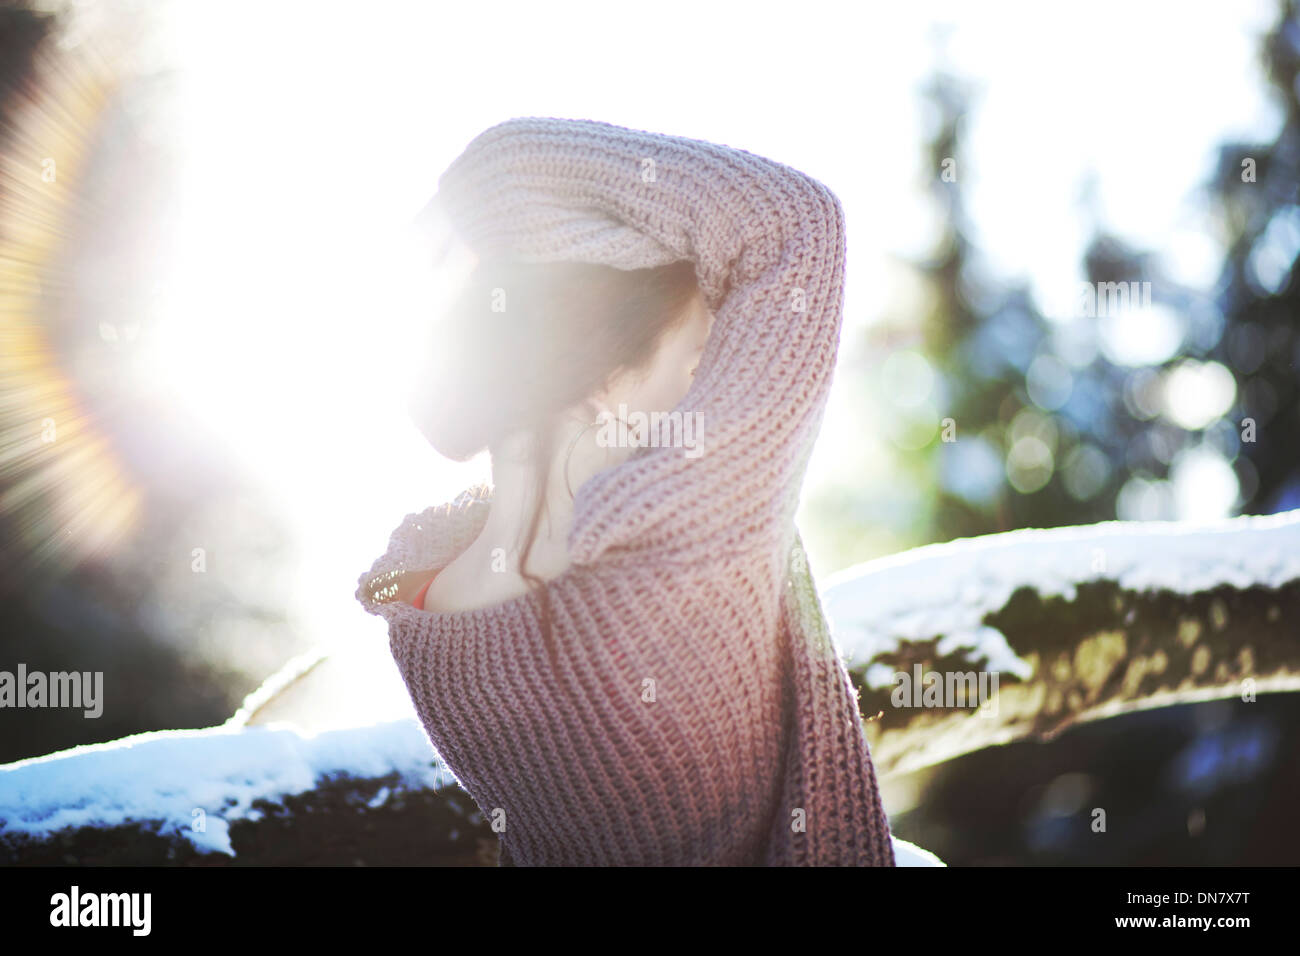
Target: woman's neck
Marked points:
576	456
489	570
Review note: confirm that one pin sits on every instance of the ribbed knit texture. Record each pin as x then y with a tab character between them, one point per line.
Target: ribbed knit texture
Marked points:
699	712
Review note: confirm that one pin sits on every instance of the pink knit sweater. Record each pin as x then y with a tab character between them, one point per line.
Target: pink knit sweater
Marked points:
699	712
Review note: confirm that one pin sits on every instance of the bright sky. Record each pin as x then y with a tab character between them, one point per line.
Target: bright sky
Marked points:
313	132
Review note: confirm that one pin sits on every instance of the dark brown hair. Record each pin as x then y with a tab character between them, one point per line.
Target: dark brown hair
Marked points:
523	342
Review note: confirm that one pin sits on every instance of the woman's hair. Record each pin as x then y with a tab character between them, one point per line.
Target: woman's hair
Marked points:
521	343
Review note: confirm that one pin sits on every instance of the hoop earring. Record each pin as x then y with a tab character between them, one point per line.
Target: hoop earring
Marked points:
569	454
574	444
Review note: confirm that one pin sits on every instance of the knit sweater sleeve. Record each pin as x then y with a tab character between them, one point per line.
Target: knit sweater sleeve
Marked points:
768	247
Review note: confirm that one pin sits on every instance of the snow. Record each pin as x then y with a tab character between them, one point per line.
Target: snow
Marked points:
947	589
296	667
167	775
909	854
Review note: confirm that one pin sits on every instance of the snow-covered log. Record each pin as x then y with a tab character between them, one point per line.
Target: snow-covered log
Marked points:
245	794
251	795
1076	623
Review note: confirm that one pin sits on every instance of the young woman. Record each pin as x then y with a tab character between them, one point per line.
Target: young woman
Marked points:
617	648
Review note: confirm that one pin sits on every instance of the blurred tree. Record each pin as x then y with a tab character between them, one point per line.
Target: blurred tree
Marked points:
1256	193
1042	424
1017	415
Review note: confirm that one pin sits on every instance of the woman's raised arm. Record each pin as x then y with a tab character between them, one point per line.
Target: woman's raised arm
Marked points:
768	245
